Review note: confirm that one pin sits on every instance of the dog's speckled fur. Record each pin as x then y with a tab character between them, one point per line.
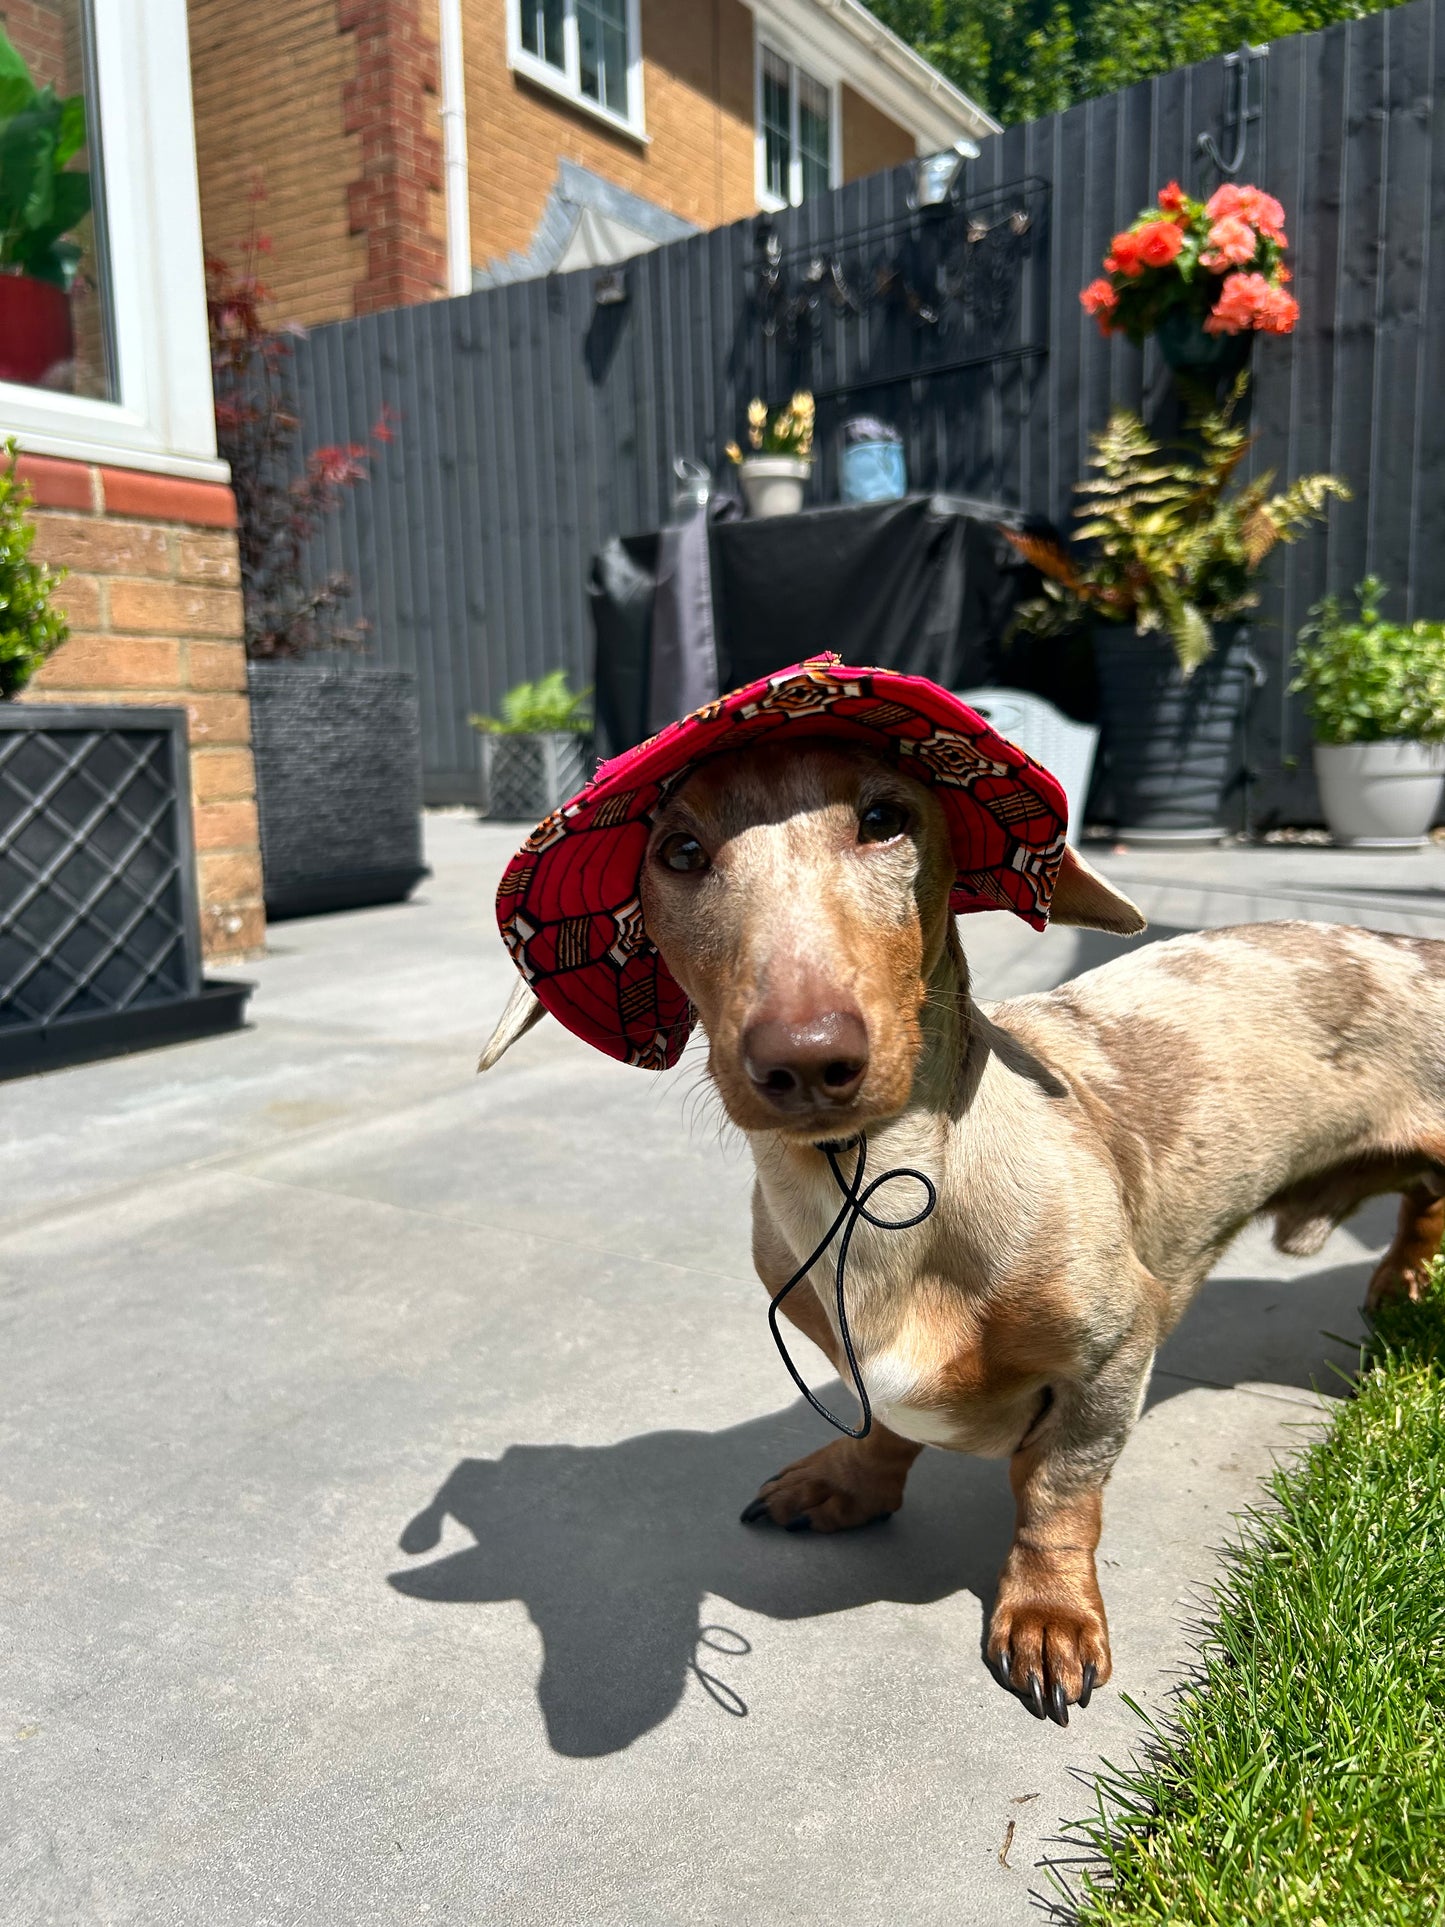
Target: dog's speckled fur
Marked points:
1095	1149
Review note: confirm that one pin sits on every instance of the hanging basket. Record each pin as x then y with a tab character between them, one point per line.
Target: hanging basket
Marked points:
1188	350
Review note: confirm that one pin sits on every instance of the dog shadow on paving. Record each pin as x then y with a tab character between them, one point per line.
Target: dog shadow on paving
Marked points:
613	1548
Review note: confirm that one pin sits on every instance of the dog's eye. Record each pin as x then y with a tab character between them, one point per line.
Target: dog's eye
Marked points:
882	822
684	853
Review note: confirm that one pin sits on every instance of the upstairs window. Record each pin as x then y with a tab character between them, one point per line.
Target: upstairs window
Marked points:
797	137
589	51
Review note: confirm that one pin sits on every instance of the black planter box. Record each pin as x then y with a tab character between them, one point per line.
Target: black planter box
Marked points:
100	946
1171	743
338	785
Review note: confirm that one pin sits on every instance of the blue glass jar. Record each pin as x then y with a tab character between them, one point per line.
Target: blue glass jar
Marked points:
872	471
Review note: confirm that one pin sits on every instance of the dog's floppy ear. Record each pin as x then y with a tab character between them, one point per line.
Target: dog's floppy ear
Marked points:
523	1010
1082	897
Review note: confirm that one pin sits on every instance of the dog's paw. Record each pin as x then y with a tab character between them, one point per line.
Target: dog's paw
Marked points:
1393	1280
831	1490
1050	1651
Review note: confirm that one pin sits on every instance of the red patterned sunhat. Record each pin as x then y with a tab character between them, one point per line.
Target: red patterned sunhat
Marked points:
569	906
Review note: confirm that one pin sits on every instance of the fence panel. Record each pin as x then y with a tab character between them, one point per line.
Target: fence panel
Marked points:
532	423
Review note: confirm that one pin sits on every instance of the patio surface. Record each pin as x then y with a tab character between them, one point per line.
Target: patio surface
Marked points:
374	1438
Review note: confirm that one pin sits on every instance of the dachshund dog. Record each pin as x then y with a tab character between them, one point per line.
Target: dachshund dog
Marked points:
1094	1150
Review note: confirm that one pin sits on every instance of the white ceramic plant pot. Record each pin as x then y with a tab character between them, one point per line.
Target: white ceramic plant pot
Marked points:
773	484
1380	795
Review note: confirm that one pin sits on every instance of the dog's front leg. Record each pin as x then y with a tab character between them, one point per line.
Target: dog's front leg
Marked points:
848	1482
1048	1638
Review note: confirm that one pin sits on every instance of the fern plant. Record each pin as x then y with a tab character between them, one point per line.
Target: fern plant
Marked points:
30	629
1172	544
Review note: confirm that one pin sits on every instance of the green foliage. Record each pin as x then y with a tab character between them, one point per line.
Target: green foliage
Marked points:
1369	680
41	199
538	708
1301	1777
1175	546
1025	58
30	630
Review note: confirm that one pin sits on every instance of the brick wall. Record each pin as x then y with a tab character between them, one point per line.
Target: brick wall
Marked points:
268	79
392	105
154	604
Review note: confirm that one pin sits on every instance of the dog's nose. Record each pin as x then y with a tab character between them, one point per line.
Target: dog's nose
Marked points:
796	1066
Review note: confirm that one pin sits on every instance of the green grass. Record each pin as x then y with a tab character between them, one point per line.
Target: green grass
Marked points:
1301	1776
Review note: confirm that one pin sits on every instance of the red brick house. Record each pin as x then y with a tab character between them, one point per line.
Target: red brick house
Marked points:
430	145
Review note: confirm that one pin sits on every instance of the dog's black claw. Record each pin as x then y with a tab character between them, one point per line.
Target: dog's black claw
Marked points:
774	1479
1089	1677
754	1510
801	1524
1035	1691
1058	1705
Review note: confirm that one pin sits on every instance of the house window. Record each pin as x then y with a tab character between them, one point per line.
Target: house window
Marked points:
587	50
797	131
55	311
127	373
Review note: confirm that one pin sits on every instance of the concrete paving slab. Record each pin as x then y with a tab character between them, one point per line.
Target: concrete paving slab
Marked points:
374	1439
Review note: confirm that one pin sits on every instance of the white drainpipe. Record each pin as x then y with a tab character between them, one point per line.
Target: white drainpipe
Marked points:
454	150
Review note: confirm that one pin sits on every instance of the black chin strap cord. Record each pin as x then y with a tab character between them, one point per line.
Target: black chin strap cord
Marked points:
855	1208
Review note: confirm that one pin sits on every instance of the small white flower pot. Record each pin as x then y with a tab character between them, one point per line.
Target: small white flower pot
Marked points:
773	484
1380	796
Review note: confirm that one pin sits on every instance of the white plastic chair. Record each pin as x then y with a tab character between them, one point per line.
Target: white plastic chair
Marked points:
1065	748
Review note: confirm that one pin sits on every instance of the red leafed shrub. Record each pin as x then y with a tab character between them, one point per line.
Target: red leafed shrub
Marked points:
288	611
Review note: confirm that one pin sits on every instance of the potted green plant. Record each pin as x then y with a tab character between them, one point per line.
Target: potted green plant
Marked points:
780	455
42	200
1376	696
535	754
1172	546
30	629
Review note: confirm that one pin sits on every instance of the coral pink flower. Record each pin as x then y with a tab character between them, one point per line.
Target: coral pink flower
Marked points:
1278	313
1124	255
1159	242
1250	204
1100	300
1242	300
1231	243
1171	198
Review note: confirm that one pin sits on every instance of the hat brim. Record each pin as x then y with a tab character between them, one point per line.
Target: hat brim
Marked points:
569	905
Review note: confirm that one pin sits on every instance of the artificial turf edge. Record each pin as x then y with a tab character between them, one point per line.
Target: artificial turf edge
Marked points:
1300	1775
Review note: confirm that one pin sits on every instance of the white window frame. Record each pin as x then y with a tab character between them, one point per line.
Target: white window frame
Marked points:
164	418
822	76
566	82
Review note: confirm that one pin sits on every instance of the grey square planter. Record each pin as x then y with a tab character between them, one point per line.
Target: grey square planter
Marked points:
100	943
525	777
338	785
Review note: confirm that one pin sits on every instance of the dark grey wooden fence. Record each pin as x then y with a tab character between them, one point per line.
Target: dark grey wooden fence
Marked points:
532	423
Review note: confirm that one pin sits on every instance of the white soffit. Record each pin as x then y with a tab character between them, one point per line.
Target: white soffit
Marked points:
844	37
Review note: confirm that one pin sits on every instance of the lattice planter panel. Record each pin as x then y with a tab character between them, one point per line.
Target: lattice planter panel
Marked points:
525	777
100	944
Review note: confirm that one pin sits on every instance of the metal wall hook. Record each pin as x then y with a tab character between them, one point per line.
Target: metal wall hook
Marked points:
1238	113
